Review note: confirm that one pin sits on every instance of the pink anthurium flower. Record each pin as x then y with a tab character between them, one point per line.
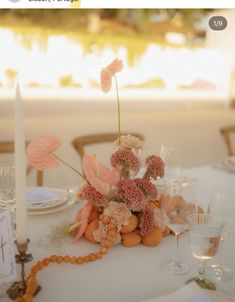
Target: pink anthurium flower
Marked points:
40	152
108	72
98	174
82	221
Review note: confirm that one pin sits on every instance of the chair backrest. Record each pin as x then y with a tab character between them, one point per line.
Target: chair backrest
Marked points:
8	147
80	142
226	134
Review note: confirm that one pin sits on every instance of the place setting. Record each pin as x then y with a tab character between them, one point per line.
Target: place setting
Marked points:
40	200
44	200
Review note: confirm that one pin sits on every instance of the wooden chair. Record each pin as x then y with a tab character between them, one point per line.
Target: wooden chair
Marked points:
8	147
226	133
80	142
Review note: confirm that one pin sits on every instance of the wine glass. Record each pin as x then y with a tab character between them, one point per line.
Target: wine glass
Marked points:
205	231
222	205
7	189
176	208
171	157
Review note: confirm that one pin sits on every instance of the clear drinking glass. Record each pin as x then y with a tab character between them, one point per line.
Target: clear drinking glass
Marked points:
222	205
205	231
7	189
172	160
176	206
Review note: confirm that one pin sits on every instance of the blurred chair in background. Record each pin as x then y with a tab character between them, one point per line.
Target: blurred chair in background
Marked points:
80	142
227	133
8	147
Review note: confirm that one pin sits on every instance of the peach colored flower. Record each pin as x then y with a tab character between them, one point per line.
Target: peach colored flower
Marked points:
119	213
108	72
129	141
106	80
99	176
82	220
40	152
115	66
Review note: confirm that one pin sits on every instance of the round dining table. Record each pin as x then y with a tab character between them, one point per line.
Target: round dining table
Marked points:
124	274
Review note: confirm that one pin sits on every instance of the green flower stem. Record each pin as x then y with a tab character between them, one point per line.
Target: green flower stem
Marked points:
119	114
63	162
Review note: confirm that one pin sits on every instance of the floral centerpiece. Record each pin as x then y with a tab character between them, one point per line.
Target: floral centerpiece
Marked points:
128	200
122	203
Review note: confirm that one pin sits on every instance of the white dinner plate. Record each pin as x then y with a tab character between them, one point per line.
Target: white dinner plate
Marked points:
64	206
58	197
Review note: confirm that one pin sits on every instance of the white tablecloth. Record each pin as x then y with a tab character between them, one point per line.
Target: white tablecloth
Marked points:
124	274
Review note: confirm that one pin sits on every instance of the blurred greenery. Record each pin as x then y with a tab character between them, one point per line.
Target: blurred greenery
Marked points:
95	29
138	19
68	81
152	83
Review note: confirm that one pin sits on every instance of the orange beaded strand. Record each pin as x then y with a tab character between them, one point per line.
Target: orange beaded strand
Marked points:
105	246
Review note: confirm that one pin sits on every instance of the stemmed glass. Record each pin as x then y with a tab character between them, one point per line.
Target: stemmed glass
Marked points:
7	189
222	205
171	158
205	231
176	206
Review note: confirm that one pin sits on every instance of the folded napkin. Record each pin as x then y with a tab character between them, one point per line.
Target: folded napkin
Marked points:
40	195
189	293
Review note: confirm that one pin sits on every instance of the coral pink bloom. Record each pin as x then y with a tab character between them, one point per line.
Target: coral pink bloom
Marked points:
99	176
115	66
106	80
40	152
107	73
82	218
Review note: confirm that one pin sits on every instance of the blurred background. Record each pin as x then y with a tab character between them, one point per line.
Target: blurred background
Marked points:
177	86
172	51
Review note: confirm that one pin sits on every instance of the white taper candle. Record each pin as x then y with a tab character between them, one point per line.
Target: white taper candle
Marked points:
20	170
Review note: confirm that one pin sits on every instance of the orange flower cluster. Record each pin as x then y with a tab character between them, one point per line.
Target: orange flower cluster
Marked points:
40	265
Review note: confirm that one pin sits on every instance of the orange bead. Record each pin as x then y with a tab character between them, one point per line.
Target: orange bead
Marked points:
72	260
59	259
79	260
46	261
34	271
92	257
86	258
99	255
104	250
31	281
108	243
53	258
66	259
40	265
